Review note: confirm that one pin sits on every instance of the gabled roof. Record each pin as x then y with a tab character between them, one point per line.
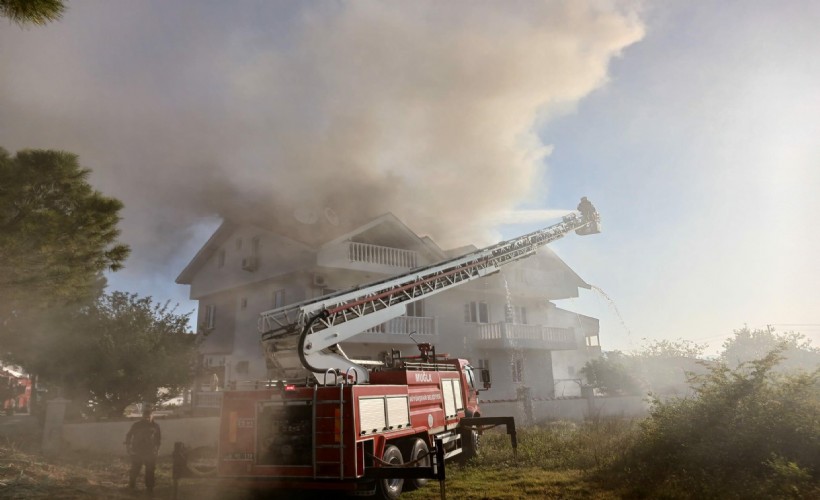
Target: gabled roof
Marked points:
554	256
222	234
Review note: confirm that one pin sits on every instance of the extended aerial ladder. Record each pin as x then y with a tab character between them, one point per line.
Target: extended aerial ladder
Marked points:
305	335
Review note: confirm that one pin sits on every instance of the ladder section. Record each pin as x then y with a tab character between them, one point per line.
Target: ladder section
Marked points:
328	431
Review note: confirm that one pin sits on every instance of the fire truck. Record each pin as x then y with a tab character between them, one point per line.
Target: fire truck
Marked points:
325	421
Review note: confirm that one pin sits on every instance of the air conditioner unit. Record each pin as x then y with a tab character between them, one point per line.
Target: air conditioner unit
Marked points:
319	280
249	263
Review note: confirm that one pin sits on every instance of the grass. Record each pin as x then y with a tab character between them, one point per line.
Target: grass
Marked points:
550	463
556	460
509	483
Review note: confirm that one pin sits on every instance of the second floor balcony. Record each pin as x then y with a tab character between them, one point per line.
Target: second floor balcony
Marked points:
368	257
398	330
513	336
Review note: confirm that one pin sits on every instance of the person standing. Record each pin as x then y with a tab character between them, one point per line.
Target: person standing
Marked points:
142	442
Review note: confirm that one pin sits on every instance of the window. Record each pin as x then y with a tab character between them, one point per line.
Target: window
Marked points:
520	315
477	312
255	246
518	369
416	309
243	303
242	367
210	317
516	315
221	259
278	298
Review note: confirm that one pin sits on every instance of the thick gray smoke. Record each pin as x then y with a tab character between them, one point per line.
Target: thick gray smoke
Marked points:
250	110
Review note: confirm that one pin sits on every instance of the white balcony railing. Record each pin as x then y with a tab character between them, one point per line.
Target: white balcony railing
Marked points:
403	325
208	399
528	336
386	256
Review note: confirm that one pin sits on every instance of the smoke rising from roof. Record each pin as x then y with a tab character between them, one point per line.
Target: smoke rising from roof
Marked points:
249	111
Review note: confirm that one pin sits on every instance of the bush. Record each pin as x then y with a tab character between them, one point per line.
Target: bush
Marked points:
747	433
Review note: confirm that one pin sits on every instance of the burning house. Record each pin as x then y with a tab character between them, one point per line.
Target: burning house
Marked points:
507	322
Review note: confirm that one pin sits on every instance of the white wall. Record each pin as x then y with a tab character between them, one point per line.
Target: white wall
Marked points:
109	437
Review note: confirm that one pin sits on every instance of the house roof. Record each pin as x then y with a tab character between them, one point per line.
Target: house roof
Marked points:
554	256
222	233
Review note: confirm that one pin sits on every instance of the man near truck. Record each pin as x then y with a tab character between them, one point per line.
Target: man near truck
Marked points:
142	442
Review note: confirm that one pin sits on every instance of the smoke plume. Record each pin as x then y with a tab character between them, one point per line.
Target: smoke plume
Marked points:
428	110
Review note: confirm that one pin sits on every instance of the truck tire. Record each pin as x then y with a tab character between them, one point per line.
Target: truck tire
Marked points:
417	449
390	489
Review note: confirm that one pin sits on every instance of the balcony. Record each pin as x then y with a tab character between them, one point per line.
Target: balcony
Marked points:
208	400
512	336
367	257
398	330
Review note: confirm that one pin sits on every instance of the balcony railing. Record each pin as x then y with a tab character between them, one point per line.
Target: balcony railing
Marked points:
385	256
208	399
512	336
398	330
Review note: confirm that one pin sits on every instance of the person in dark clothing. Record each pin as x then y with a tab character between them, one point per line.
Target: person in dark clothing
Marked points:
142	442
586	208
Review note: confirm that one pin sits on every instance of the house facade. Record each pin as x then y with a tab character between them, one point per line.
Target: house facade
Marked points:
506	322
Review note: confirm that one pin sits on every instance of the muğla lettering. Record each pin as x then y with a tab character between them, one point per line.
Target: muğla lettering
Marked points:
423	377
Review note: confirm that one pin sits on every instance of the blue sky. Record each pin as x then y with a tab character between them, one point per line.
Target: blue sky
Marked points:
701	155
691	126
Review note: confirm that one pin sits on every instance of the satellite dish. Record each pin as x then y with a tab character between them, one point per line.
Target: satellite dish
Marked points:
331	217
306	215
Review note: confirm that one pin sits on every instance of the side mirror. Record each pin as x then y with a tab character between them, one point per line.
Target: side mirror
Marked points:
485	378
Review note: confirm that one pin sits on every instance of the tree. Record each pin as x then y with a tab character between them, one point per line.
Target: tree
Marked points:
747	345
38	12
120	350
665	366
610	376
57	236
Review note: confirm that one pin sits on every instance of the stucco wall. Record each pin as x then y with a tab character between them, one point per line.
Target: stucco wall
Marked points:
109	437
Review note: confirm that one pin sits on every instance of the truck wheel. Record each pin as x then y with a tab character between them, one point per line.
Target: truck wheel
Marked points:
417	449
390	489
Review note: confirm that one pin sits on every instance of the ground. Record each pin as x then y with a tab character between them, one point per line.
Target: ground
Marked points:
26	474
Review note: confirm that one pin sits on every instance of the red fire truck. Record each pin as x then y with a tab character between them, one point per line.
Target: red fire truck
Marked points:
329	422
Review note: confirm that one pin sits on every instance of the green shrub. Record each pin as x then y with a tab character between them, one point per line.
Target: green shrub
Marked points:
747	433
